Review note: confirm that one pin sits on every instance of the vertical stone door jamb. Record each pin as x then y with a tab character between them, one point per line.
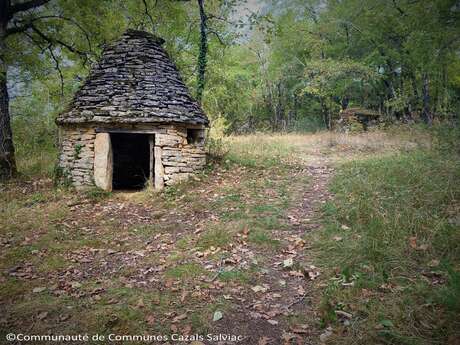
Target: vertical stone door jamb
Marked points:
159	170
152	160
103	161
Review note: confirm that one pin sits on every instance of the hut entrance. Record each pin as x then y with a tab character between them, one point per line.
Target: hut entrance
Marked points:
132	160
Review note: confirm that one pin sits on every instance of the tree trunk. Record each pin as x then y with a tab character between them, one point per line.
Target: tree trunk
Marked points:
7	159
344	102
280	109
326	117
203	55
426	113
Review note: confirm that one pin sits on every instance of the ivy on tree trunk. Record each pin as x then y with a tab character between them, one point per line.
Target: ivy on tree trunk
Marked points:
202	57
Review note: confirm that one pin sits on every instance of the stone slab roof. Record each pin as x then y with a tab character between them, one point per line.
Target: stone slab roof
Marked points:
134	82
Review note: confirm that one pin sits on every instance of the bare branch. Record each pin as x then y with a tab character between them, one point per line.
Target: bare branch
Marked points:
28	25
74	22
217	35
58	67
189	32
147	13
59	42
34	41
213	16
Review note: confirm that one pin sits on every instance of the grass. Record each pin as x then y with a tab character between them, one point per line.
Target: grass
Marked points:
145	231
261	150
186	271
217	237
35	145
391	188
240	276
96	194
275	149
262	238
398	247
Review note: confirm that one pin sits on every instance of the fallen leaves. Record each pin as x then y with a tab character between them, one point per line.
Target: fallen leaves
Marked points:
413	243
280	280
259	288
75	285
140	303
296	274
300	329
325	335
343	314
150	319
288	263
38	289
42	315
300	290
263	341
312	271
218	315
433	263
63	318
180	317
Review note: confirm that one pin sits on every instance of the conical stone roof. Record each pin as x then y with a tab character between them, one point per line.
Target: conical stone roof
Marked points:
135	82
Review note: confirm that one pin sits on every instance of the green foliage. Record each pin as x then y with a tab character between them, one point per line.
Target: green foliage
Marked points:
449	295
447	138
97	194
328	78
34	133
77	151
215	149
61	177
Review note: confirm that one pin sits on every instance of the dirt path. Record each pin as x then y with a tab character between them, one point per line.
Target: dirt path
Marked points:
226	254
279	309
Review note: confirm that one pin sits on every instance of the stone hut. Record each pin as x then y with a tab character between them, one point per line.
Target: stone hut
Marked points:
133	121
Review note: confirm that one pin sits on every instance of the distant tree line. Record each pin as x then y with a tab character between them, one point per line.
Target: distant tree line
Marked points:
310	59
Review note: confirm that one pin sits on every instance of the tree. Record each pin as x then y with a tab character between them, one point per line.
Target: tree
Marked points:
35	22
37	34
202	57
7	13
335	82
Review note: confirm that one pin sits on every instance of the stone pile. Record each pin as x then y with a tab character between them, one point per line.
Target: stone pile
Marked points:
135	82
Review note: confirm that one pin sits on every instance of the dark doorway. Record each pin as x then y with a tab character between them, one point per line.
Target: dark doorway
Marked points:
131	160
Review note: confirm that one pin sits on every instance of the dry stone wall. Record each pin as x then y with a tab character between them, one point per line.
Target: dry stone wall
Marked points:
77	155
175	158
134	82
179	158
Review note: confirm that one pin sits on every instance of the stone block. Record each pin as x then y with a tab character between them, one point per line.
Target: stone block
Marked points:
103	161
